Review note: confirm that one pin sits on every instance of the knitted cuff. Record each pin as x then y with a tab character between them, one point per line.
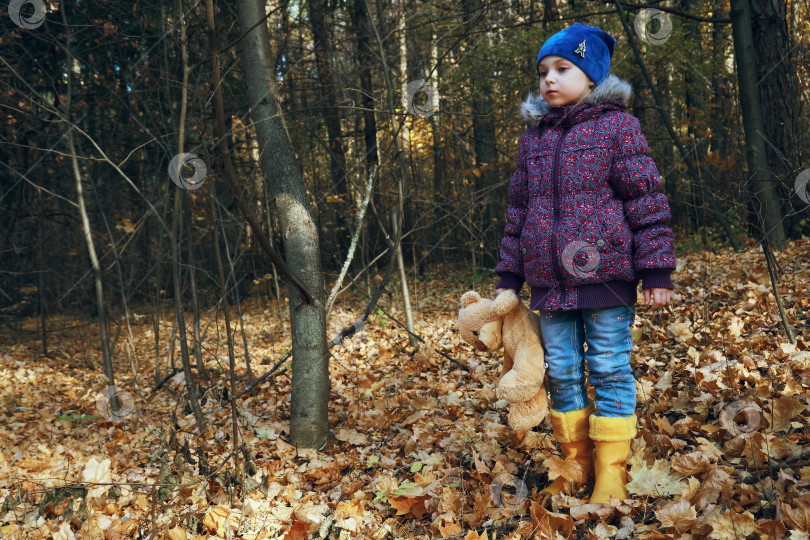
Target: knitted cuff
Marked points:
510	280
613	428
656	279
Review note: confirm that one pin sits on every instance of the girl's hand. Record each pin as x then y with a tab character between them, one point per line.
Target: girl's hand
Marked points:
660	297
499	291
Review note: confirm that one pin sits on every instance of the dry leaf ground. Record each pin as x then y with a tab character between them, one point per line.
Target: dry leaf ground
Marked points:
420	448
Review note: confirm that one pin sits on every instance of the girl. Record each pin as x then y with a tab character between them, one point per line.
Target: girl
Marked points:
586	221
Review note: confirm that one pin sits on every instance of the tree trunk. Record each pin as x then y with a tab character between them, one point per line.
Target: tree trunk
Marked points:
309	423
359	17
323	38
761	180
483	124
550	12
776	92
695	105
175	242
713	204
72	65
403	277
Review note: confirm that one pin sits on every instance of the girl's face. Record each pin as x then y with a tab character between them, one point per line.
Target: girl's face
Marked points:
562	82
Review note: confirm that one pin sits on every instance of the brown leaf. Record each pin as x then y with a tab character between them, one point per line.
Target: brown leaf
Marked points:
351	436
298	531
734	447
450	501
797	514
785	409
680	515
779	447
771	528
715	482
451	528
546	523
408	505
691	463
558	467
593	511
732	525
680	331
119	530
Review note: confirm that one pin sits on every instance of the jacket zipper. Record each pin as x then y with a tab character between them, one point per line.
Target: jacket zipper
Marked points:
556	187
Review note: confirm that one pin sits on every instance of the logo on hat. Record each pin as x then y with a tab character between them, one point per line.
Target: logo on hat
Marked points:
581	49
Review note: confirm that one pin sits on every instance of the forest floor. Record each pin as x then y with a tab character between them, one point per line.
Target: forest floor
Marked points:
420	448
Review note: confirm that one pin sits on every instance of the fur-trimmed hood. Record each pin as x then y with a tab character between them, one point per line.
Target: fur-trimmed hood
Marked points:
612	88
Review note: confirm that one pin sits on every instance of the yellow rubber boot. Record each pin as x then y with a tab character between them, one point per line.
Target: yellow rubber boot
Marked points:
571	431
611	437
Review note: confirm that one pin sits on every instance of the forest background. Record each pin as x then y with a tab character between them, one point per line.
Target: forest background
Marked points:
141	199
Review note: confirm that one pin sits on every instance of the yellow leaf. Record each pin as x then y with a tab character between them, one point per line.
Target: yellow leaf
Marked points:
126	226
680	331
216	519
653	480
448	529
732	525
176	534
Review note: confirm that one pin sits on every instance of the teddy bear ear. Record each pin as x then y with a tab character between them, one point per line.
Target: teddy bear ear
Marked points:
469	298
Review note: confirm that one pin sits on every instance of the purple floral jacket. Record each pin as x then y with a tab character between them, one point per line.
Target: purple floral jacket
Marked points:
586	217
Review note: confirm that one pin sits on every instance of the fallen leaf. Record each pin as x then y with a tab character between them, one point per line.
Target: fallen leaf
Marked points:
692	463
785	409
409	505
797	514
351	436
654	480
680	515
732	525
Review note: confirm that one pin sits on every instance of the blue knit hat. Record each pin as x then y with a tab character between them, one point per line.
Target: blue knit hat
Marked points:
589	47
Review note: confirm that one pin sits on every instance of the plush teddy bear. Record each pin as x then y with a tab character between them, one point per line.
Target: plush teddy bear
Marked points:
489	324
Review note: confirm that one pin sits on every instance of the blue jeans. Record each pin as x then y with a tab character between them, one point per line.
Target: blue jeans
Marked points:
607	333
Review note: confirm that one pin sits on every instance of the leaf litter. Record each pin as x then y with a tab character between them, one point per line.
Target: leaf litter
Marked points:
418	447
